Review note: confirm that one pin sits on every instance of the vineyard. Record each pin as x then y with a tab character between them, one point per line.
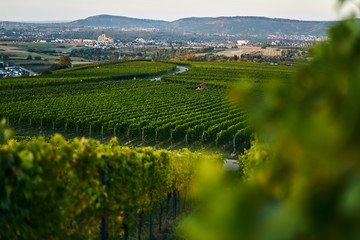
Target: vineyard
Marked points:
89	188
155	150
226	74
91	73
141	112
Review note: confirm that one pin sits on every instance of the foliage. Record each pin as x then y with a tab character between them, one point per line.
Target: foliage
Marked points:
303	176
159	109
53	190
65	61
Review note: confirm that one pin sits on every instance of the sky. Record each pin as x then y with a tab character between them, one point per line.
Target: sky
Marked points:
48	10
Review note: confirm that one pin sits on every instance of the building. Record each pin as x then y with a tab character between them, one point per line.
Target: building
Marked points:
88	41
201	87
275	43
140	40
103	38
243	42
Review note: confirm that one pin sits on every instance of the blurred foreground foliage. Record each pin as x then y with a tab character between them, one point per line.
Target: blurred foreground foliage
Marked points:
53	189
301	178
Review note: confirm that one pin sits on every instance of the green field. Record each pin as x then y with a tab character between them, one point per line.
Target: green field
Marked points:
90	73
100	101
19	51
225	74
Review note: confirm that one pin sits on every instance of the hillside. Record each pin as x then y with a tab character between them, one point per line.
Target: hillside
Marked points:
118	21
219	25
250	26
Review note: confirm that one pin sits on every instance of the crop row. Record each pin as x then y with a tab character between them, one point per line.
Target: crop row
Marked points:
226	74
59	189
92	73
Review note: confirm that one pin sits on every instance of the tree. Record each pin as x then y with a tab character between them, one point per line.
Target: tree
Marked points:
29	57
46	72
65	61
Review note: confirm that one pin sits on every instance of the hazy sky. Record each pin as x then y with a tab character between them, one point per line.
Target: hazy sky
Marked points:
41	10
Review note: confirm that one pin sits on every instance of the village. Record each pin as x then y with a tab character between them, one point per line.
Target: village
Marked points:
104	42
9	70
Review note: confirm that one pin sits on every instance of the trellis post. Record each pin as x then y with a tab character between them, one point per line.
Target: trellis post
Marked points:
104	219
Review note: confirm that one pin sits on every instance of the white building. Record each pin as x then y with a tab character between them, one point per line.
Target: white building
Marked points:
243	42
275	43
140	40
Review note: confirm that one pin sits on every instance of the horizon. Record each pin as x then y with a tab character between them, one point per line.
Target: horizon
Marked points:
167	10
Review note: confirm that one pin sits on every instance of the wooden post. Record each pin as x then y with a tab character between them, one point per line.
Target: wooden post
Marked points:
102	133
126	231
151	226
160	217
53	127
234	144
140	226
104	219
143	140
202	139
114	131
90	131
171	138
174	204
77	130
186	140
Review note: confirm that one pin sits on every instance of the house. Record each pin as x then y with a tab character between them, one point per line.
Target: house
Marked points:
201	87
243	42
275	43
140	40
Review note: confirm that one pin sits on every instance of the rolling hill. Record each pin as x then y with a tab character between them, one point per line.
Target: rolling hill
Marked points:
206	25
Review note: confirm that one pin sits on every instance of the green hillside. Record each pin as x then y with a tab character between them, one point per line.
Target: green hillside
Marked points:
104	100
259	26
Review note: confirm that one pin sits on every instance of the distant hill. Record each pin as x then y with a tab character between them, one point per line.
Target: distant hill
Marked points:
119	21
260	26
251	26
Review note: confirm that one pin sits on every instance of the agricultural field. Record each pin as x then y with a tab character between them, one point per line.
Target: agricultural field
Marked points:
90	73
226	74
269	51
104	100
49	53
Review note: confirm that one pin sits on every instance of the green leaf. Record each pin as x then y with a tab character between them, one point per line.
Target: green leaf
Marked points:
27	159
